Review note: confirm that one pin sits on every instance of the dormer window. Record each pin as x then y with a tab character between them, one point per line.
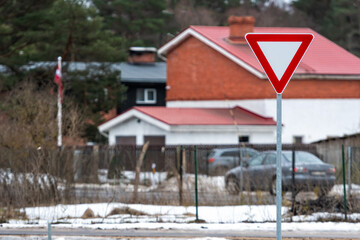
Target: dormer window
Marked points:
146	95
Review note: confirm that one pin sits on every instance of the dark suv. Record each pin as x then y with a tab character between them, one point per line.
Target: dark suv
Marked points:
220	160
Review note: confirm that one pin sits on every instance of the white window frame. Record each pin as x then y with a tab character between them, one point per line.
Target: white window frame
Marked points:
146	96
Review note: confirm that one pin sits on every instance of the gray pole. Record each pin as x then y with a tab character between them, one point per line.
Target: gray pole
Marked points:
49	230
278	167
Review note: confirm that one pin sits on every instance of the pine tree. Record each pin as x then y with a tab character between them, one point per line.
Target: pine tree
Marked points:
338	20
140	22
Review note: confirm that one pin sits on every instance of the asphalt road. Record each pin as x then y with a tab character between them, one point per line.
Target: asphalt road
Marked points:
172	234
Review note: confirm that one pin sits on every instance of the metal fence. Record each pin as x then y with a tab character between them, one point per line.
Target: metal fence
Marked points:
31	177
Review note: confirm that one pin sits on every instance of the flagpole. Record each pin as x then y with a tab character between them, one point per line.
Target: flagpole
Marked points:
59	113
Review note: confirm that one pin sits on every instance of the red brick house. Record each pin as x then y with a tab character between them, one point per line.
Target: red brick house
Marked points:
209	66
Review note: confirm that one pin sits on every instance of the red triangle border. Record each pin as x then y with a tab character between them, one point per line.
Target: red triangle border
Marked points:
254	38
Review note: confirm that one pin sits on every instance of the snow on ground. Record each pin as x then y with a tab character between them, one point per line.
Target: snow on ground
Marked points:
243	217
262	218
339	189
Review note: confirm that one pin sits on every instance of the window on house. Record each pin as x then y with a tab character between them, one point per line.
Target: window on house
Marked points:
155	140
244	139
125	140
146	95
298	139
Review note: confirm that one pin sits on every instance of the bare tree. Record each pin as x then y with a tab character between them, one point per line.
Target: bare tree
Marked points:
29	118
272	15
28	133
185	14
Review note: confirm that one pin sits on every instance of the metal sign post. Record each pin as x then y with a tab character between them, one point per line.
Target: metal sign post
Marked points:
278	166
279	54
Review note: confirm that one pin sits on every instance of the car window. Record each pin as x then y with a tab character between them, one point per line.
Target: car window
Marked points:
270	159
256	161
230	154
303	157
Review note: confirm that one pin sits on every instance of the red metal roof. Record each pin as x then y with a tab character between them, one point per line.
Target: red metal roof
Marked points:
205	116
323	57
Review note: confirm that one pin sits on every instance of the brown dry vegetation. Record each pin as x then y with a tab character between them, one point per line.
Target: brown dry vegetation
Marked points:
88	214
34	177
11	213
29	118
31	166
126	210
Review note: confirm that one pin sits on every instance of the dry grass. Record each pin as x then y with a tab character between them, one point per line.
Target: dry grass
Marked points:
31	177
189	214
9	213
88	214
126	210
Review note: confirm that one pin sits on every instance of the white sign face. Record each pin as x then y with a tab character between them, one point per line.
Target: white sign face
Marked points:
279	55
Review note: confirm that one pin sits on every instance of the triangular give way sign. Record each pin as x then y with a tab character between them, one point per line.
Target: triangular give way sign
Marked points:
279	54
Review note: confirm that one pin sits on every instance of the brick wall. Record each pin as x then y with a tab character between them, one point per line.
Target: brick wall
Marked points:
197	72
142	58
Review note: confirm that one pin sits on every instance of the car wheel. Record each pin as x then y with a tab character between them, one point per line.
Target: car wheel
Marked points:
232	185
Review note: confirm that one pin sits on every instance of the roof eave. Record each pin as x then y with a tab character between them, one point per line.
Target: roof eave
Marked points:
191	32
107	126
143	80
222	128
165	49
327	76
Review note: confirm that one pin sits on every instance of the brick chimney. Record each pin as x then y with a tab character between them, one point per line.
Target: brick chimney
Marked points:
140	55
239	26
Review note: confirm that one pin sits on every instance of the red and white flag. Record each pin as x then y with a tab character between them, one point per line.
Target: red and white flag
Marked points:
58	81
